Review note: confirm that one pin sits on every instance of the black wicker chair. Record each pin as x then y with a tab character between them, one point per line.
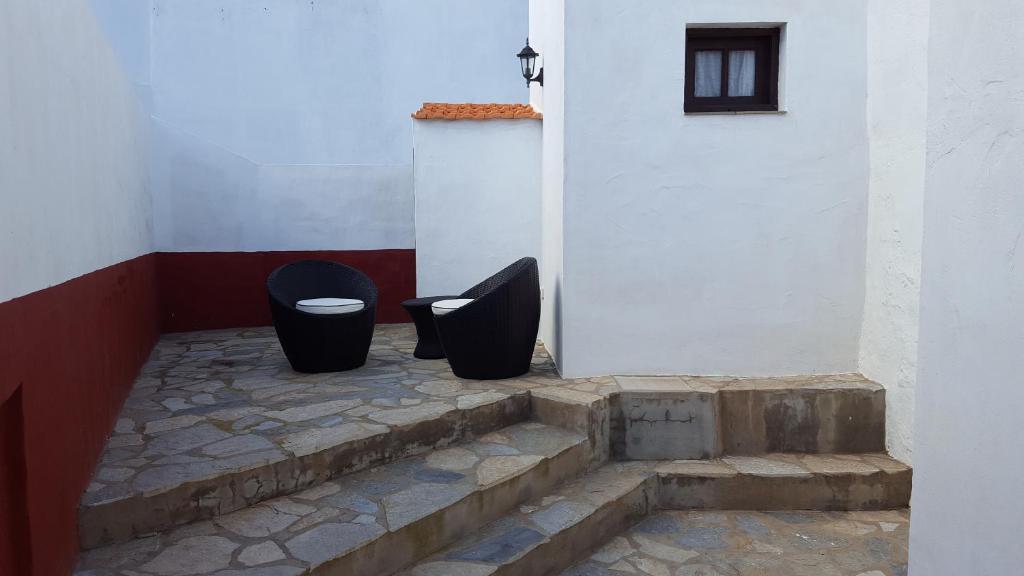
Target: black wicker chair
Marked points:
322	342
494	336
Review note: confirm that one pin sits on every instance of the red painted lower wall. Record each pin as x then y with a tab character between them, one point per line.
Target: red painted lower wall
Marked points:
13	515
206	290
68	356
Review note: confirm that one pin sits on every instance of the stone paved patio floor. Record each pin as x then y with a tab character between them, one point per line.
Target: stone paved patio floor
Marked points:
205	397
289	535
671	543
218	421
213	403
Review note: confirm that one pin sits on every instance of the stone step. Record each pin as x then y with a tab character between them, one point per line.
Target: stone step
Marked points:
786	482
203	464
705	417
777	543
549	534
372	522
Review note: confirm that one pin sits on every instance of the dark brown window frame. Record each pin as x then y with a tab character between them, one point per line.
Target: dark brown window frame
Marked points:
764	41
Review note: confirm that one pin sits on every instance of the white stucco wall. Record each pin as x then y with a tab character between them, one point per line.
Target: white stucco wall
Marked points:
207	198
308	103
547	36
477	187
125	25
967	444
73	194
897	72
725	244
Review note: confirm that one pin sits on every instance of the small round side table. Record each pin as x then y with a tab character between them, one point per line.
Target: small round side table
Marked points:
429	345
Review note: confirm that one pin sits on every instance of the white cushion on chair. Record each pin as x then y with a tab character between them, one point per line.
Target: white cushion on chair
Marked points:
330	305
442	307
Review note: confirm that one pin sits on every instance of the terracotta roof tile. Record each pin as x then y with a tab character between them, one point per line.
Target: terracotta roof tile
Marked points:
443	111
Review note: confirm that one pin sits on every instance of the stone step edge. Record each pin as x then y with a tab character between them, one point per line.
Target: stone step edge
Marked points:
392	548
396	550
736	420
654	485
141	514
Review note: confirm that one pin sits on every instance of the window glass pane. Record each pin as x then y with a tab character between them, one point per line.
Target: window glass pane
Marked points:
708	73
741	72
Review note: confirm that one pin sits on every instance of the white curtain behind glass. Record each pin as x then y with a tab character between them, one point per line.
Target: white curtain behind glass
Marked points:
707	73
741	72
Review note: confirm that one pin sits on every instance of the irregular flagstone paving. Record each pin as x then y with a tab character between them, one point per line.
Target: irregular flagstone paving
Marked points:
674	543
212	401
226	462
286	536
207	396
209	404
558	528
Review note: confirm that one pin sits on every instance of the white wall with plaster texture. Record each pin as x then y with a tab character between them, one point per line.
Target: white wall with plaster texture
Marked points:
73	181
286	125
967	442
897	108
725	244
547	36
478	205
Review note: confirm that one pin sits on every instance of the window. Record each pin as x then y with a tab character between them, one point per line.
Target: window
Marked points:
732	70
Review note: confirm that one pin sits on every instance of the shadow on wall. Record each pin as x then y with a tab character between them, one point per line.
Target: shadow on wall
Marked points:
13	514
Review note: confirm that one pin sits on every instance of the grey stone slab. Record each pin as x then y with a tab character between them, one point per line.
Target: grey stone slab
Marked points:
264	571
561	515
354	502
765	466
190	556
178	441
257	521
411	415
421	500
327	541
311	411
262	553
703	538
238	445
500	548
172	423
314	440
444	568
437	476
497	468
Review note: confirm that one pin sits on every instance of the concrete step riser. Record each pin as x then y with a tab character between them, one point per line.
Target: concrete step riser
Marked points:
399	549
878	491
566	547
142	514
650	425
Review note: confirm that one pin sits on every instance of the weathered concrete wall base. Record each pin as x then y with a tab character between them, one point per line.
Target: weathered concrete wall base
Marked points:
655	425
688	418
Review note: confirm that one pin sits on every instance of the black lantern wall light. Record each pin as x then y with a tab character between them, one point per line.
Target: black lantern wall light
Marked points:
528	60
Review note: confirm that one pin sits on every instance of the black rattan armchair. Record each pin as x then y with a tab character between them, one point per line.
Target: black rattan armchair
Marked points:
494	336
322	342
